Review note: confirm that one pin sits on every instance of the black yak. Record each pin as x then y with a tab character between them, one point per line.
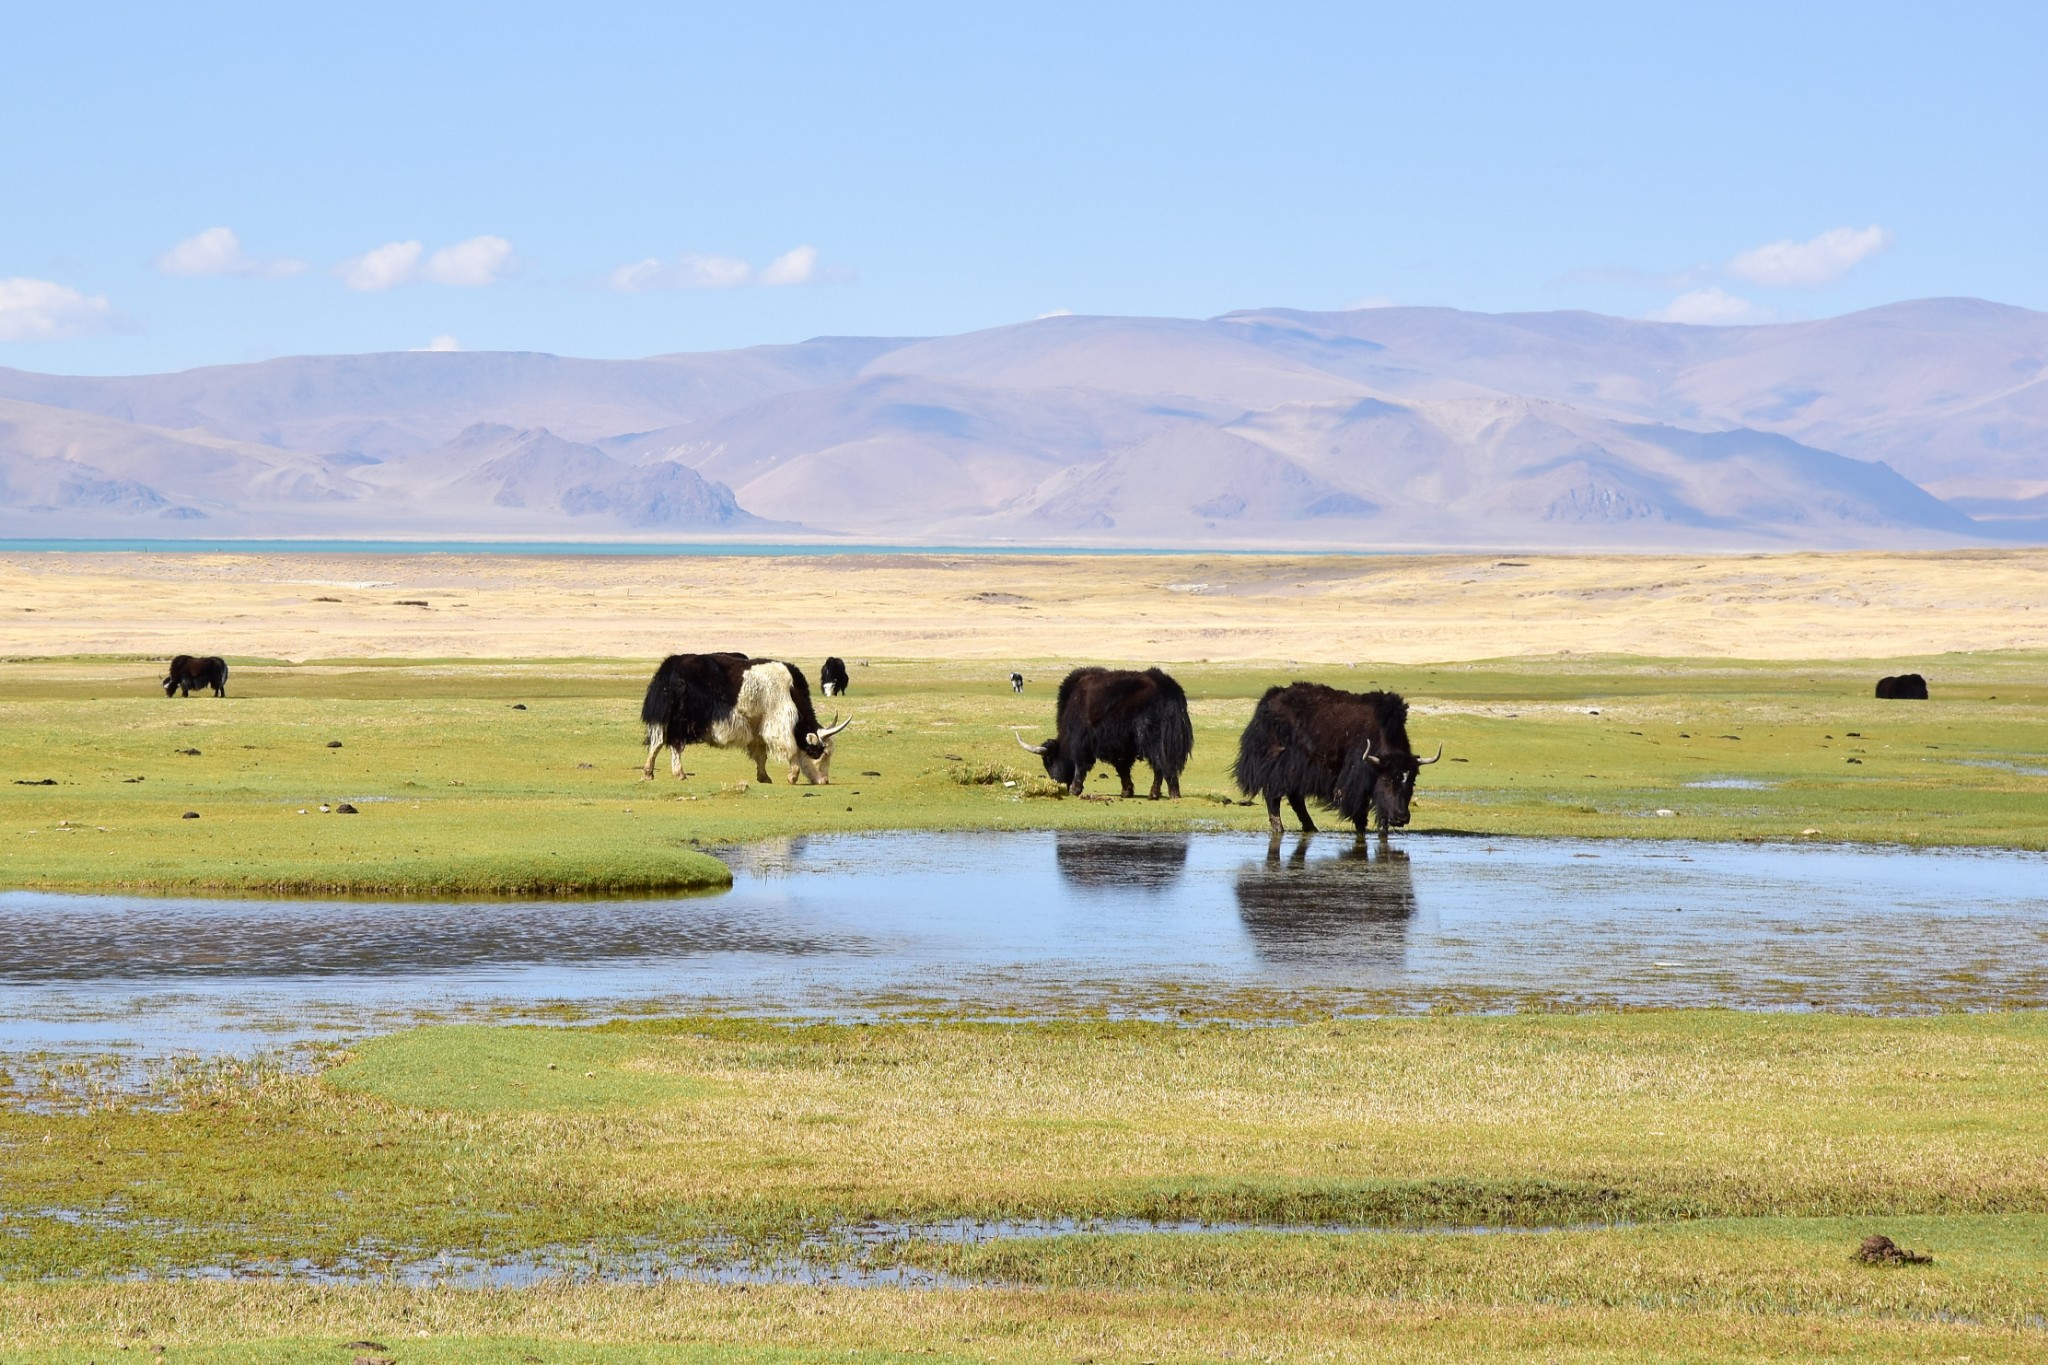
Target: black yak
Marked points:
188	672
1905	687
1347	750
1117	717
730	701
832	676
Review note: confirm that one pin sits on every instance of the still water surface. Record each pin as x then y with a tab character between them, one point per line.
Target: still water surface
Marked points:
1017	923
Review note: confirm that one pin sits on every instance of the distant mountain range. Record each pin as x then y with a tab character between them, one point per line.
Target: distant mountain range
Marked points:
1921	423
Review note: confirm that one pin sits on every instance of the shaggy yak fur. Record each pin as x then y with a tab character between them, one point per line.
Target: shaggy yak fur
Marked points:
832	676
1117	717
1905	687
729	701
188	672
1308	741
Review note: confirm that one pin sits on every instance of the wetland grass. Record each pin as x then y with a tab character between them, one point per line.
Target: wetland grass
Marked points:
459	793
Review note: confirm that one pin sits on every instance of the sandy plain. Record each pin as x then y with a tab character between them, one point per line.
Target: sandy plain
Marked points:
1312	608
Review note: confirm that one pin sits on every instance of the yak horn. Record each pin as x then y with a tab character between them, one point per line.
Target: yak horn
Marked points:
1368	754
1439	754
837	726
1028	748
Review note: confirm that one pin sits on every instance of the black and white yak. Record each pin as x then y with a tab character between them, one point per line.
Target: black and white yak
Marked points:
1348	751
730	701
832	676
189	671
1016	682
1117	717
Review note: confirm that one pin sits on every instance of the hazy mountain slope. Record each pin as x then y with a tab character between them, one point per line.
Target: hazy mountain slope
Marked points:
1407	426
403	403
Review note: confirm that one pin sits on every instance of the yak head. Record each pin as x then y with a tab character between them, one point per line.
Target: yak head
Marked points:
171	686
814	754
1393	775
1059	764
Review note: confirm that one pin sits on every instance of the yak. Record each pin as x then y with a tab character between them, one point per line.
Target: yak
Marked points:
1016	682
1117	717
1905	687
1347	750
730	701
189	671
832	676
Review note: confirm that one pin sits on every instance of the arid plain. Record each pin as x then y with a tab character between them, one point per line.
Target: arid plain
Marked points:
1221	608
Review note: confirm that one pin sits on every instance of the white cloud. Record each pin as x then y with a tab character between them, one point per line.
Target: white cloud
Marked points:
218	251
1370	301
478	261
799	266
443	342
392	264
1811	264
1056	313
691	270
1710	307
37	310
695	270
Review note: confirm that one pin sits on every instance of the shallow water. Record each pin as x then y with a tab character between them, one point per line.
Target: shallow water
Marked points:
1018	923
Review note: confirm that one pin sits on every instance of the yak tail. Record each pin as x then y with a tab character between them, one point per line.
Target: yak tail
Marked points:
1176	731
1254	771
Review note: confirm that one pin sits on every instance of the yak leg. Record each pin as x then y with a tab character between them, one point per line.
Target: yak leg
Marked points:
1273	817
675	762
1308	826
1155	786
1123	775
654	745
759	753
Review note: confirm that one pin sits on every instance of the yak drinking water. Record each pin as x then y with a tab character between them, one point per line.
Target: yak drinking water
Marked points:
1348	751
1117	716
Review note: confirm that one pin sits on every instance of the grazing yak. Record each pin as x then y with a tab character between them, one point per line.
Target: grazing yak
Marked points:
1905	687
832	676
730	701
1016	682
1348	750
1117	717
188	672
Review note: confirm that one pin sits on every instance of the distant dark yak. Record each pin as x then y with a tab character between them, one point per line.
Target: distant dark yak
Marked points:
1348	751
189	671
1117	717
1905	687
832	676
1016	682
729	701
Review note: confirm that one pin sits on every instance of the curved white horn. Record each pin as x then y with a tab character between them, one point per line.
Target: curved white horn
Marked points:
1027	748
1368	754
1439	754
835	728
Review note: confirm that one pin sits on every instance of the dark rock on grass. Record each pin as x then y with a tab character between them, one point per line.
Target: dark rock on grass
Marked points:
346	809
1878	1249
190	815
38	781
334	744
189	753
518	706
869	772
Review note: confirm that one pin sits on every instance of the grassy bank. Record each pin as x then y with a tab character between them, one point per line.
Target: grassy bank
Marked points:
1714	1173
524	778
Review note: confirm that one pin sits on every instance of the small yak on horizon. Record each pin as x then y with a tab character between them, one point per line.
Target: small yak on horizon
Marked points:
189	671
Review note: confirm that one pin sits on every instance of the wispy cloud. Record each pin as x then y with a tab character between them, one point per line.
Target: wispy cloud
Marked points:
1710	307
443	342
218	251
698	270
1812	264
39	310
468	264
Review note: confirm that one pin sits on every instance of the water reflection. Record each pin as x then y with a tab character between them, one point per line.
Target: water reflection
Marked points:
1353	907
90	938
1120	862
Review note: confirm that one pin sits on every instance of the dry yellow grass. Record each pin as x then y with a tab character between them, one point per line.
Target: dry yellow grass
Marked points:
1396	608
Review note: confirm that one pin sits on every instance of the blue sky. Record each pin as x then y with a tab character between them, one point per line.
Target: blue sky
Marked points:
615	180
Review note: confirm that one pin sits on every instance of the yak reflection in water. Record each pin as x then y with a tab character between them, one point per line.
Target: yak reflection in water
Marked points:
1354	907
1120	862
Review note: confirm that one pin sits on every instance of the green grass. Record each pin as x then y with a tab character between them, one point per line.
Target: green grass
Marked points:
1723	1168
460	793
